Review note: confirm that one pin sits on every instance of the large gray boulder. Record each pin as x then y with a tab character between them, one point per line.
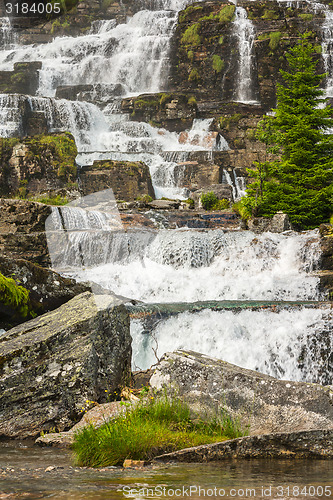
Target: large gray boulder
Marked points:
50	366
262	403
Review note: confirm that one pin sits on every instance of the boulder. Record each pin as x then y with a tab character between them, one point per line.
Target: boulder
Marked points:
164	204
22	230
197	174
52	365
303	444
128	179
261	403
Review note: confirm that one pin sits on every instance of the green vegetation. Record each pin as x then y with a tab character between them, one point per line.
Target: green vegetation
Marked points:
210	201
190	55
191	35
145	198
226	121
194	75
192	101
218	63
221	40
150	428
14	296
300	182
270	14
189	10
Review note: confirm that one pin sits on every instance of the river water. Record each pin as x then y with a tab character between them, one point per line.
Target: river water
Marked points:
26	472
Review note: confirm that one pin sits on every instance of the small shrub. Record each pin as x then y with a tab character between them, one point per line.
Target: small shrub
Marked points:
221	40
226	14
190	55
194	75
192	101
14	296
218	63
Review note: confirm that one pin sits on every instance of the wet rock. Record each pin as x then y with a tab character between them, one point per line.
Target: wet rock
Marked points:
262	403
303	444
173	111
52	365
195	174
128	179
99	94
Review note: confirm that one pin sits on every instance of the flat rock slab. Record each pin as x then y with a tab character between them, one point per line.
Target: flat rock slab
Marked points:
97	416
304	444
50	366
260	403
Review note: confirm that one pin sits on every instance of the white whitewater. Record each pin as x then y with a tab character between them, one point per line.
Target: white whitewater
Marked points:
245	33
8	36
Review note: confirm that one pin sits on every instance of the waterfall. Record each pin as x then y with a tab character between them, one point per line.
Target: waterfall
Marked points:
283	344
190	266
8	37
245	33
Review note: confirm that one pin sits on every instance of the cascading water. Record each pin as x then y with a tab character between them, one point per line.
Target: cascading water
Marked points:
244	30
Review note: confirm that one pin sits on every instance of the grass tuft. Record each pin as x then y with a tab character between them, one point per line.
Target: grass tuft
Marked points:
152	427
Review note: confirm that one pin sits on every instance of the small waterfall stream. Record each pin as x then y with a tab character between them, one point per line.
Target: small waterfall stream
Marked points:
8	36
245	33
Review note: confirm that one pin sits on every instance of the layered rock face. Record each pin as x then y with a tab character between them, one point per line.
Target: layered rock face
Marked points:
51	366
262	404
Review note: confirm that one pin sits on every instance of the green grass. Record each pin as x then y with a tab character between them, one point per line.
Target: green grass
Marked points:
152	427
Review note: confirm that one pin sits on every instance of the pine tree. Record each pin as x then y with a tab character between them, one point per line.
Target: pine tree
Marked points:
300	182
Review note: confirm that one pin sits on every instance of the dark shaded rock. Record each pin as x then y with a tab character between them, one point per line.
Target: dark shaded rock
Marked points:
51	365
260	402
221	191
128	179
36	123
303	444
22	230
195	175
36	164
23	80
48	289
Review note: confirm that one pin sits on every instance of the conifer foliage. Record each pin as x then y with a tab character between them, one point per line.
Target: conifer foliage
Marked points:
300	182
